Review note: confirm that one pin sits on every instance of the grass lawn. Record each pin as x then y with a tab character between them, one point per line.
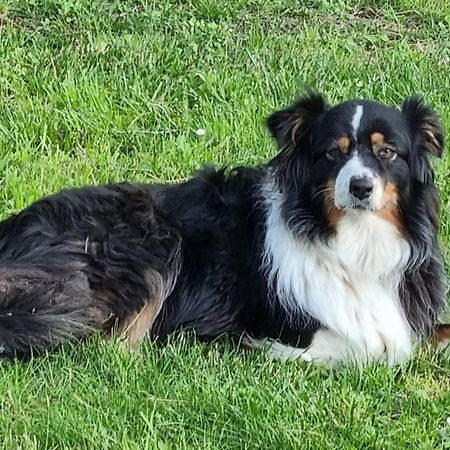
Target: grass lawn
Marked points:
94	91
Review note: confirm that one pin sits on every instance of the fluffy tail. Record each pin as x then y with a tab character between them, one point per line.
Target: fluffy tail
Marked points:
38	313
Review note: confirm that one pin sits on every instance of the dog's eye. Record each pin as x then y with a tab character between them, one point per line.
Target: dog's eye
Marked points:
386	153
331	153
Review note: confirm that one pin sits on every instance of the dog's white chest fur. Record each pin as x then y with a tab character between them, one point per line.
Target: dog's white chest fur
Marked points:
350	284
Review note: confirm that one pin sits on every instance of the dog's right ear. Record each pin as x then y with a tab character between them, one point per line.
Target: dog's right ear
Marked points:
425	125
290	126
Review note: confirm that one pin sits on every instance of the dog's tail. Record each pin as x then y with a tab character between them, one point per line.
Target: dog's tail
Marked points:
38	313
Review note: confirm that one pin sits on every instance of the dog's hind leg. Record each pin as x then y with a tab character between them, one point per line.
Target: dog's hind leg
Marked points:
101	260
136	325
441	337
80	290
134	279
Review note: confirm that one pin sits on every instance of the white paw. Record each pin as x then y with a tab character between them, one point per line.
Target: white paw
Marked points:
277	350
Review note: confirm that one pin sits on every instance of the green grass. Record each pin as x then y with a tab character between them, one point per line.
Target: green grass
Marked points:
93	91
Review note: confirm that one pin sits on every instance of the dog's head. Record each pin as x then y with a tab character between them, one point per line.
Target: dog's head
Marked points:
355	157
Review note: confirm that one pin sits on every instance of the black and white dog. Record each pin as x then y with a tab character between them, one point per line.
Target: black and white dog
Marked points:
328	253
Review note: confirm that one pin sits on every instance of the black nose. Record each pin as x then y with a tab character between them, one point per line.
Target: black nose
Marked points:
361	187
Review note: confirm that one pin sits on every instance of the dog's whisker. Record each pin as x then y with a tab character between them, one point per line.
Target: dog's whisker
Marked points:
322	191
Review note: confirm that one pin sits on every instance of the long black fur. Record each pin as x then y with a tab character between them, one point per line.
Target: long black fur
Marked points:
86	259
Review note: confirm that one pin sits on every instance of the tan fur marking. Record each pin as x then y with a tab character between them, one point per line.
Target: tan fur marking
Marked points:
135	326
333	214
431	138
441	336
343	144
390	194
377	140
298	122
390	211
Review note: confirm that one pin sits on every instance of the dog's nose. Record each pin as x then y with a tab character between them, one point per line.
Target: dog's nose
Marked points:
361	187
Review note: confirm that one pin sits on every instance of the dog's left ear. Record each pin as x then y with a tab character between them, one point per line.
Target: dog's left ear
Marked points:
425	125
289	126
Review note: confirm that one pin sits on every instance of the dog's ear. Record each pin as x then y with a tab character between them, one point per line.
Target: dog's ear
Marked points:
289	126
425	125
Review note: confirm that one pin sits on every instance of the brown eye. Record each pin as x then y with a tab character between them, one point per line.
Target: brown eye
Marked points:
386	153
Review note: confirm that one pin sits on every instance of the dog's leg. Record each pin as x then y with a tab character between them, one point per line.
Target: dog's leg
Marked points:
327	349
441	338
275	349
134	327
136	302
134	277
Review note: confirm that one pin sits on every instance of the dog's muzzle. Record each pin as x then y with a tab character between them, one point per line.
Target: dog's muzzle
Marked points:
357	187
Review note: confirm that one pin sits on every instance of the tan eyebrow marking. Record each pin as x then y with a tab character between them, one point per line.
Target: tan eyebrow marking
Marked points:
377	140
343	144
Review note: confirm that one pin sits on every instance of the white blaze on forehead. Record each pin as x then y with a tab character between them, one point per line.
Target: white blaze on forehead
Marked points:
356	120
355	167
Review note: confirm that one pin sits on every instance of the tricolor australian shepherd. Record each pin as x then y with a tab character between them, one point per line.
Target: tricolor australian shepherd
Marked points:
328	253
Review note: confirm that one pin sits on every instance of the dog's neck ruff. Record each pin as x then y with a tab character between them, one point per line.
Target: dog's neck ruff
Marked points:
350	283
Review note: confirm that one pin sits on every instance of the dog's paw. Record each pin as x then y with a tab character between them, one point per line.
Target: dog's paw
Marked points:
276	350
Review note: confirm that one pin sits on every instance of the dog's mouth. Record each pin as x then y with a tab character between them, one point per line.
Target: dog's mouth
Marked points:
356	205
